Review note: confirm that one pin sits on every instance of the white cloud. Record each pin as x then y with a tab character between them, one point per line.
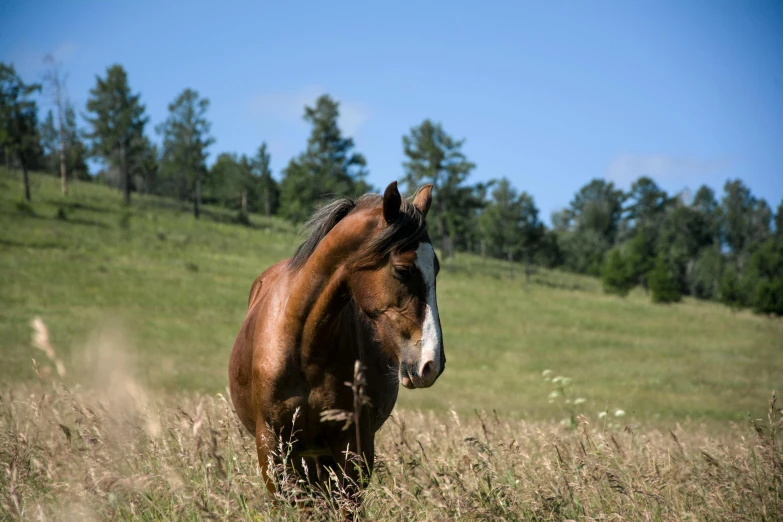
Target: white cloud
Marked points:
627	167
287	107
63	52
29	61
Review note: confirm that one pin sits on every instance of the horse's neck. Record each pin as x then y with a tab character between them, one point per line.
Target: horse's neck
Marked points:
320	293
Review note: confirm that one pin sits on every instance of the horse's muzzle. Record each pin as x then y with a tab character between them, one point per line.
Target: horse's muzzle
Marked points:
425	377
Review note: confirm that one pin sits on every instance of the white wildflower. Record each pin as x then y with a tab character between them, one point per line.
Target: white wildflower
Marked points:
619	413
555	394
557	379
580	400
568	401
546	373
566	381
602	415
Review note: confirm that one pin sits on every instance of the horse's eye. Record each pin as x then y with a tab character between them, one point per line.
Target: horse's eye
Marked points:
401	272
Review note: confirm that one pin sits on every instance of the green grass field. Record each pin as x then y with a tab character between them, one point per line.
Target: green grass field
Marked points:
178	289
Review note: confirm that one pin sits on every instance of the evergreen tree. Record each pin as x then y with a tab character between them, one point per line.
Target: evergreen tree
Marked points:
736	219
705	276
684	233
663	286
640	257
185	141
232	184
764	278
70	155
327	168
779	222
598	206
75	149
50	143
435	157
591	225
262	184
583	252
731	292
117	121
760	223
615	276
510	223
647	205
143	166
19	121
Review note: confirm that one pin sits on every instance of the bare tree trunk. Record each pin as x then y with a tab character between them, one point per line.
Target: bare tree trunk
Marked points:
197	198
267	203
124	174
244	203
63	179
25	176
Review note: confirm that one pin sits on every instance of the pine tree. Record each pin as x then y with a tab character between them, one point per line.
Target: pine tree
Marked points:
510	223
19	120
663	286
50	142
590	226
640	258
615	276
646	205
435	157
327	168
75	149
731	293
764	278
704	202
117	123
185	141
598	207
262	184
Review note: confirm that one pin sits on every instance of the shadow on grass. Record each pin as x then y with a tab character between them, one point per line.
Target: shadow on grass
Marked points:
77	205
85	222
39	246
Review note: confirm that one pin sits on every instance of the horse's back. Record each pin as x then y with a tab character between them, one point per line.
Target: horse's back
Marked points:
240	369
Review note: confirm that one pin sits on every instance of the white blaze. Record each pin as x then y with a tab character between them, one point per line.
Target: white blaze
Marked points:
430	330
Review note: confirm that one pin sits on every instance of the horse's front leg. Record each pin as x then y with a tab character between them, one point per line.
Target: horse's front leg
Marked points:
265	446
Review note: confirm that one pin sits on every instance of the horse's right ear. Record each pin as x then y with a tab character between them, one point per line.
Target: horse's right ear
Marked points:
391	202
423	199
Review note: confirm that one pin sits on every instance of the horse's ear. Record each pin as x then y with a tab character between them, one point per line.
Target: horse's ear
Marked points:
391	202
423	199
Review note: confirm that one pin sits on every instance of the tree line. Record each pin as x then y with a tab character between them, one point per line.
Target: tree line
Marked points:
726	247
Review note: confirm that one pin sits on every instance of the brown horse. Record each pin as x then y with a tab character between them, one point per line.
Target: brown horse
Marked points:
360	287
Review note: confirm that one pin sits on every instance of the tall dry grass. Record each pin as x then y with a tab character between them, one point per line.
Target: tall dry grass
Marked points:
111	451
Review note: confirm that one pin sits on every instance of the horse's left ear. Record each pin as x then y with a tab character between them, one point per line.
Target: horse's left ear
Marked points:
423	199
391	202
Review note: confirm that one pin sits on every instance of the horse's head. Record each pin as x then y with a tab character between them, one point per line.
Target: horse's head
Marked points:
397	289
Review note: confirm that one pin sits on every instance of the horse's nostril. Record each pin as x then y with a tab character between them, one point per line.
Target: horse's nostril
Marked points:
427	369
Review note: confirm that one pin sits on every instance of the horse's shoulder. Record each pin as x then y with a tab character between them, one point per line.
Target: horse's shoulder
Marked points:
266	278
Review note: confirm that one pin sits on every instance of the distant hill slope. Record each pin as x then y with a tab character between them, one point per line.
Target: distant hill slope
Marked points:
178	289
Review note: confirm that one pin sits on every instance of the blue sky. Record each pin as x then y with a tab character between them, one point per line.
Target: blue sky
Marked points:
548	94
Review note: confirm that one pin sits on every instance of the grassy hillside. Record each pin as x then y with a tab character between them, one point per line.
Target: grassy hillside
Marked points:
176	291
